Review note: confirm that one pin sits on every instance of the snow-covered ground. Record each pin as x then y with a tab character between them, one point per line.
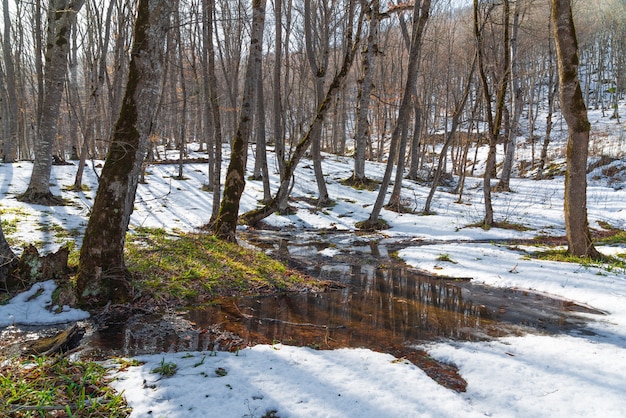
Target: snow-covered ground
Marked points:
525	376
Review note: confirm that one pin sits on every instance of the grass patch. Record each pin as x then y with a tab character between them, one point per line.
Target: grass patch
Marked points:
446	258
165	369
364	184
72	188
502	225
55	386
610	264
194	267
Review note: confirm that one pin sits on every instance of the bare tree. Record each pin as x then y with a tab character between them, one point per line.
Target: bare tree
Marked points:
226	223
254	216
575	114
366	85
318	59
516	102
102	275
494	120
421	12
60	17
11	140
211	87
7	257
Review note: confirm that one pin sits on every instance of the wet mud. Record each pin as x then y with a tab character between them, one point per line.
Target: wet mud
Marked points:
377	302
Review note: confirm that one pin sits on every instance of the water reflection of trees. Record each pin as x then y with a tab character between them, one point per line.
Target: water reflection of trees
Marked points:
379	306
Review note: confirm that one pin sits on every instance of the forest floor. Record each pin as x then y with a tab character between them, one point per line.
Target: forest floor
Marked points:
581	373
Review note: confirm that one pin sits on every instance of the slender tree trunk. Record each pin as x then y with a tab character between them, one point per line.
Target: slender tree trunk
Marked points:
319	73
366	85
102	274
553	86
254	216
182	133
261	171
456	117
494	121
575	114
216	186
94	95
226	224
516	106
279	136
60	17
421	12
11	140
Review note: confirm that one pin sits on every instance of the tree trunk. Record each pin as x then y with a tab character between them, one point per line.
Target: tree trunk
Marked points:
60	17
10	146
366	85
261	171
456	118
575	114
516	106
94	95
102	274
7	258
553	86
420	17
277	104
319	73
254	216
210	73
226	223
494	121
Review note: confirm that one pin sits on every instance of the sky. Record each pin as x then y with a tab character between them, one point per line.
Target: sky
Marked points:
567	375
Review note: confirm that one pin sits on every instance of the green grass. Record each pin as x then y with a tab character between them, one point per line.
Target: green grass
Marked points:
610	264
165	369
619	237
446	258
55	386
195	267
502	225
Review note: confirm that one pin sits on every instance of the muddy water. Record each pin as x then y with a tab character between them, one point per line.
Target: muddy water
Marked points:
378	303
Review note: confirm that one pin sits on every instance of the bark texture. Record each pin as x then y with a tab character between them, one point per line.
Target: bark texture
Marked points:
228	215
575	114
102	274
61	15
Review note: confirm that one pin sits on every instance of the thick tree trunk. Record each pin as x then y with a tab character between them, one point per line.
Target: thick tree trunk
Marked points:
60	18
102	274
575	114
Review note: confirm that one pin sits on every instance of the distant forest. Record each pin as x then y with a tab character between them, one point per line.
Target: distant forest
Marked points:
302	50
